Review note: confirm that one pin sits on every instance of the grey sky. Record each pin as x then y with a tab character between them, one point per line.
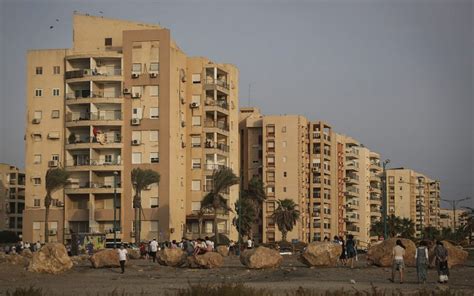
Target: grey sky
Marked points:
397	75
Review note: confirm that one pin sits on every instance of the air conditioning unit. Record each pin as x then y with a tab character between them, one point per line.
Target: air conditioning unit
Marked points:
135	75
194	105
126	91
36	120
52	232
347	179
183	123
153	75
53	163
183	145
136	95
135	121
135	142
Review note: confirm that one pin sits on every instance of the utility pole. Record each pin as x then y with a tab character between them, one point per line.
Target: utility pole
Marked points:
384	196
454	204
115	209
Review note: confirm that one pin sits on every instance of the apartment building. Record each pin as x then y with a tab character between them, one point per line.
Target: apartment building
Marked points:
126	96
448	220
414	196
12	198
362	180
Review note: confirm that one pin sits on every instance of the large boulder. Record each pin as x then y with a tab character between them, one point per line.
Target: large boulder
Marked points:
261	258
456	255
321	254
172	257
105	258
209	260
52	258
80	259
133	254
16	259
381	253
223	250
27	253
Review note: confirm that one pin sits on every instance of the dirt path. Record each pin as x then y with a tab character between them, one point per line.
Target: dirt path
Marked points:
152	279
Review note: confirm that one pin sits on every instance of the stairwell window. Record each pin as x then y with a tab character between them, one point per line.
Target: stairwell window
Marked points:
196	78
37	203
37	159
154	157
56	70
55	92
39	70
154	91
136	158
196	185
38	92
108	41
36	181
55	114
154	202
153	137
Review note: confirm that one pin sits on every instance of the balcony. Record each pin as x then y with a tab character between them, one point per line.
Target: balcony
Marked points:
374	179
375	167
221	126
213	166
107	142
352	153
352	179
102	117
91	187
352	166
375	189
93	74
218	84
219	105
218	147
77	215
92	164
86	97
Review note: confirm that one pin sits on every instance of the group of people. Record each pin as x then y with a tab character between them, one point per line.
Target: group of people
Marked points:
349	250
422	261
20	246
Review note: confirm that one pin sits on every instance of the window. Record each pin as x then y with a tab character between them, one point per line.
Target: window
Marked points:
195	206
154	157
154	202
137	68
37	159
154	67
284	174
36	203
154	112
283	144
270	190
36	181
153	137
136	91
56	70
196	120
196	99
283	159
136	136
136	158
55	157
39	70
196	185
196	162
283	129
154	90
108	158
55	114
195	141
196	78
38	92
55	92
284	189
108	41
36	137
270	207
38	115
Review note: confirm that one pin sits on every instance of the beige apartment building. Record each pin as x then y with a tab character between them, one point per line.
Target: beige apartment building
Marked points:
414	196
12	198
126	96
447	218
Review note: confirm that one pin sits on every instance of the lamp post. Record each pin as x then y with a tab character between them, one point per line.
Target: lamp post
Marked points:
384	196
115	209
454	204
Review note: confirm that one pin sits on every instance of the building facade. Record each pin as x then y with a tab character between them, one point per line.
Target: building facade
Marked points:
447	218
414	196
12	198
126	96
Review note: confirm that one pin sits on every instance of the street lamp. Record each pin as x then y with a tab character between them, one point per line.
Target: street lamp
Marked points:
453	204
115	209
384	195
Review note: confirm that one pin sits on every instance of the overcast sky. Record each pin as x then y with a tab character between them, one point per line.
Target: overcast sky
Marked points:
396	75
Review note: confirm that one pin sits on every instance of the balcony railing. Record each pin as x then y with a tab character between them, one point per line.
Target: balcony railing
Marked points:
219	103
92	72
218	82
86	94
214	166
93	162
114	139
219	124
214	145
100	115
87	185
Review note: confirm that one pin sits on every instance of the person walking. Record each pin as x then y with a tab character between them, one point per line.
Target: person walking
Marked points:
351	249
153	249
441	255
122	252
343	256
398	254
249	243
421	257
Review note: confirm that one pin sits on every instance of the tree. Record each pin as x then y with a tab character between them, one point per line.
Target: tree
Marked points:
406	228
55	179
431	233
140	180
248	215
468	228
286	216
222	179
396	226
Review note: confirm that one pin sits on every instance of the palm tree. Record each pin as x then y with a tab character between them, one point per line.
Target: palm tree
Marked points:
248	215
468	228
286	216
406	228
222	179
140	180
254	197
55	179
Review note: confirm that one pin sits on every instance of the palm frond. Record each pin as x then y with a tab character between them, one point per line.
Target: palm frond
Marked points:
55	179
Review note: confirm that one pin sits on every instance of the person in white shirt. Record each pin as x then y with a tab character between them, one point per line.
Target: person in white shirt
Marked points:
249	243
122	252
153	249
209	245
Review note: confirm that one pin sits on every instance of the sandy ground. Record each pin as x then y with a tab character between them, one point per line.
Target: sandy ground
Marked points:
147	278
